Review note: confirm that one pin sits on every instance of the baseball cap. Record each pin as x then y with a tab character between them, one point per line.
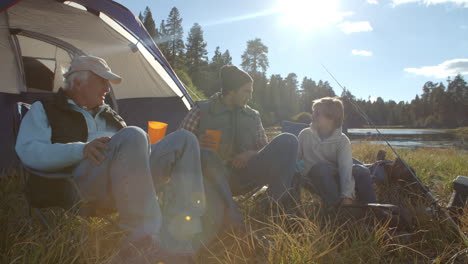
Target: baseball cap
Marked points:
96	65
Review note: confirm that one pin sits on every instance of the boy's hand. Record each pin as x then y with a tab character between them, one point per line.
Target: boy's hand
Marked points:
241	160
93	150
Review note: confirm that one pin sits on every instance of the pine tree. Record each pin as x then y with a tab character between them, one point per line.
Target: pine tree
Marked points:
351	116
217	58
140	17
196	50
175	34
290	99
259	91
309	91
457	90
149	24
255	57
227	59
274	88
163	39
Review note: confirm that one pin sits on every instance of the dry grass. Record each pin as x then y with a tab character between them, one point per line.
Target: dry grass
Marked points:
437	168
272	237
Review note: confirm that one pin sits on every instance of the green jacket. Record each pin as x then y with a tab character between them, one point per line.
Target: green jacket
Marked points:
238	127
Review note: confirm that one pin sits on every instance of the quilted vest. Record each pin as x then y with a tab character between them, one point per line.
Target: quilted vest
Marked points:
67	126
238	127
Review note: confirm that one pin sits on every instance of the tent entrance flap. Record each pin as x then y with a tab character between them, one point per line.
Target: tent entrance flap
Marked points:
44	60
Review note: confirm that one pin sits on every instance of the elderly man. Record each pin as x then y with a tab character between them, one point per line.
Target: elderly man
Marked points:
74	133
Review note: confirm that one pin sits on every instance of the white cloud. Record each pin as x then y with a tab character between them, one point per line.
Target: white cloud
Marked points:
366	53
400	2
463	3
352	27
373	2
443	70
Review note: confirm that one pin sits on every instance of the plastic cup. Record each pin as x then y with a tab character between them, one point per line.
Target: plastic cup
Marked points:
216	135
156	131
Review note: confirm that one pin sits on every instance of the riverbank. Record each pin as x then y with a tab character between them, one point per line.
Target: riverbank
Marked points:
95	240
398	137
461	132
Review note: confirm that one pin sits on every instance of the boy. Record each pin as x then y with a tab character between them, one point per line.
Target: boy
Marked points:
328	164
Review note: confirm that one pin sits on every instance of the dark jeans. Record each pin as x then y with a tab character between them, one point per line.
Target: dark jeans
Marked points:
323	180
377	172
220	207
274	166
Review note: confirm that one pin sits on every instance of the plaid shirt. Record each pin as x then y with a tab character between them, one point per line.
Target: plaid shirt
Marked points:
192	121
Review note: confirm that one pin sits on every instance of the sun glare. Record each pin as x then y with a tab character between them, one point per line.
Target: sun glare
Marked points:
309	14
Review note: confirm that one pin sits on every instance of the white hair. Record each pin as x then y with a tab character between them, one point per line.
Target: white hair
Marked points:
82	76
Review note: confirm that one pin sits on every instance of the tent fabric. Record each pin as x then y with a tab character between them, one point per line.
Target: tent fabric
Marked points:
40	37
5	4
70	24
121	15
9	75
170	110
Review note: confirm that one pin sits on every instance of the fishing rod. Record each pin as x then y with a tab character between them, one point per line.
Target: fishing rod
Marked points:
426	191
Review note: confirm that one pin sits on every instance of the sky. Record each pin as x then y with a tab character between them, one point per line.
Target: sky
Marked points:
375	48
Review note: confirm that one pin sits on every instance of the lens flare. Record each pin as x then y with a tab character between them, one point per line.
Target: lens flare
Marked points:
188	218
309	14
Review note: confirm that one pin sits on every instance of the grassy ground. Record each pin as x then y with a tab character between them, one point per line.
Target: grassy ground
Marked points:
315	238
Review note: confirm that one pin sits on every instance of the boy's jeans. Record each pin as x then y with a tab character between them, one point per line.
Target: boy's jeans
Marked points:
323	180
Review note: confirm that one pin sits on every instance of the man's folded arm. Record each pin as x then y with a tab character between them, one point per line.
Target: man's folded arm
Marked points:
34	146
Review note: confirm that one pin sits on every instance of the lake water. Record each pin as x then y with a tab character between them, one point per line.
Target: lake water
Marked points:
405	137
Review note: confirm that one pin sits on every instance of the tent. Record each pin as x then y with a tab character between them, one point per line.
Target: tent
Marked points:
39	38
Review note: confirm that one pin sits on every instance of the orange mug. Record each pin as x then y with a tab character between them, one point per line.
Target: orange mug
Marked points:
156	131
216	135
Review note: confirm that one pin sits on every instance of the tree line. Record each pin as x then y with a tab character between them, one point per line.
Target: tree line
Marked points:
278	98
439	106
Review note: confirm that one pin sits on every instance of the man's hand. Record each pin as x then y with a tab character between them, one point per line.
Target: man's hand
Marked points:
241	160
93	150
346	201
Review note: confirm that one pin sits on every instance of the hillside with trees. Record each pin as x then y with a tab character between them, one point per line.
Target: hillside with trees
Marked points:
441	105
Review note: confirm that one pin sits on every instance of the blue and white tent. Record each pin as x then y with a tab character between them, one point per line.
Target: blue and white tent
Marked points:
39	38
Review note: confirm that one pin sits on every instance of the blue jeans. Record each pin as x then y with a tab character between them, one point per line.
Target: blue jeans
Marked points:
131	175
377	172
274	166
323	180
219	202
